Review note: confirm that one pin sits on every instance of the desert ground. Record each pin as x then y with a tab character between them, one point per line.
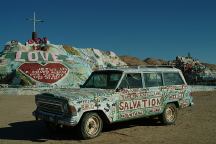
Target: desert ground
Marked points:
195	125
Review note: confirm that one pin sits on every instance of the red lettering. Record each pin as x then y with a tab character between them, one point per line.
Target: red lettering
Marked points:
126	106
144	102
153	102
30	41
38	41
121	106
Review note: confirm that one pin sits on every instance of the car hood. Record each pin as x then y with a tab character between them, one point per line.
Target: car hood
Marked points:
78	94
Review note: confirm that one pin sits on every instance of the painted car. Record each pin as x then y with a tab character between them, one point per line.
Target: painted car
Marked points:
115	95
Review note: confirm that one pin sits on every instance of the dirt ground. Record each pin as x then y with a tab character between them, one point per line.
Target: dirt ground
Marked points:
196	125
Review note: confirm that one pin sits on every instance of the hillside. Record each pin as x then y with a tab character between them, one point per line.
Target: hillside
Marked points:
131	61
210	66
154	61
39	63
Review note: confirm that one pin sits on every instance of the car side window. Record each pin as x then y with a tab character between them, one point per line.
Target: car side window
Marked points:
132	80
172	79
153	79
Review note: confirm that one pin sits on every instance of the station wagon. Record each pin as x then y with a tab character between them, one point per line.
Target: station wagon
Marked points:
115	95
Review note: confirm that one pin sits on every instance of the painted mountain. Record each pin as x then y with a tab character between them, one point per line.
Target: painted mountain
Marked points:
38	63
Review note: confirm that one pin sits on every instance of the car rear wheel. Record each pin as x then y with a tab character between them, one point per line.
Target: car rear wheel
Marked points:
90	125
169	116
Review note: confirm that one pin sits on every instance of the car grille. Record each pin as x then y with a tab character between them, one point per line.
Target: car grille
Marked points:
51	106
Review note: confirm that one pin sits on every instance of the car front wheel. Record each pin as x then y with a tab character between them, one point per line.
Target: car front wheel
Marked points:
90	126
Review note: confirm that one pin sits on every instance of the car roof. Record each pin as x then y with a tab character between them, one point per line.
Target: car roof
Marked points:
137	69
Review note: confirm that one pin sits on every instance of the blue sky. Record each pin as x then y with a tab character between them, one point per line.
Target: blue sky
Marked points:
142	28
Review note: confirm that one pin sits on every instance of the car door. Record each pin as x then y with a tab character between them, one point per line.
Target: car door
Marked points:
153	82
130	92
175	89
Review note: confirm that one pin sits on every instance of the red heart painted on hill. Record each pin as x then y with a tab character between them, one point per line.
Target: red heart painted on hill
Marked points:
49	73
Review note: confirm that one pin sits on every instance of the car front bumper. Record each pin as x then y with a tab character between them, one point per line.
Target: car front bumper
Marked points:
57	119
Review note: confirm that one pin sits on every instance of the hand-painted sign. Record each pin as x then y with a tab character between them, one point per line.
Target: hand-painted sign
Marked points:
131	114
34	56
49	73
137	104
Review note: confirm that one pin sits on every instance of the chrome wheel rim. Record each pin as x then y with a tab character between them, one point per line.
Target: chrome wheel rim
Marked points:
92	125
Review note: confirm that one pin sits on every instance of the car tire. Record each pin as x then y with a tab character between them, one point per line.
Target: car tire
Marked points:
169	115
90	126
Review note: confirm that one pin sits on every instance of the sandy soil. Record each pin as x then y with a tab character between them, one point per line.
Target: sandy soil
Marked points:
196	125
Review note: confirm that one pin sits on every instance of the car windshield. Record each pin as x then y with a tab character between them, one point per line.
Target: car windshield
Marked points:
103	80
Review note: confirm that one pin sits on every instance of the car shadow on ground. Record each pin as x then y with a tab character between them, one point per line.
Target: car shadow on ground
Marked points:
132	123
36	131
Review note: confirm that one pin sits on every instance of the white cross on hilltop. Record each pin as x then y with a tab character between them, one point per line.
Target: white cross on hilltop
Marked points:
34	21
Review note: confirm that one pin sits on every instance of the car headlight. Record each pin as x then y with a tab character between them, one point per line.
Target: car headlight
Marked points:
72	110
